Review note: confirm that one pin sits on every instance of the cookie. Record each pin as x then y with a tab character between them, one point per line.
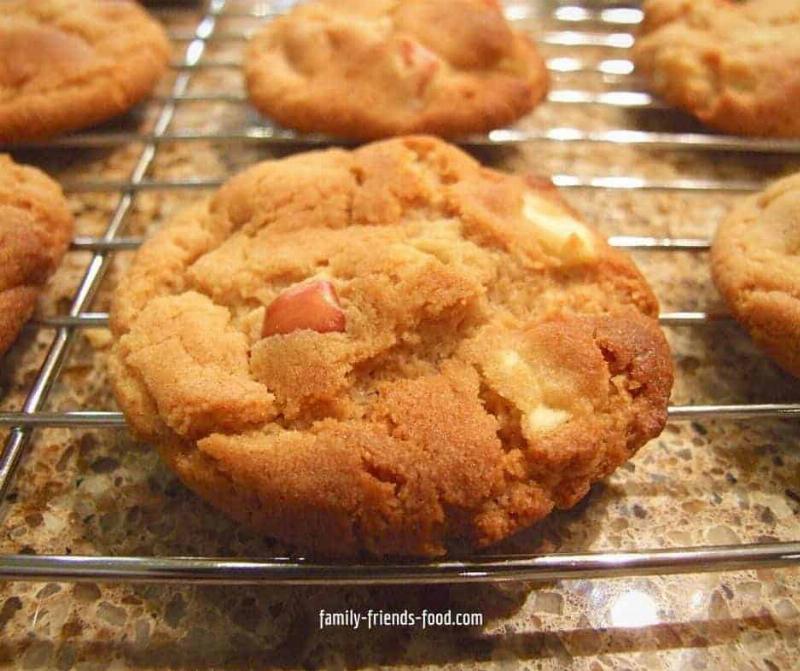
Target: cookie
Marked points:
368	69
389	350
734	65
755	263
68	64
35	231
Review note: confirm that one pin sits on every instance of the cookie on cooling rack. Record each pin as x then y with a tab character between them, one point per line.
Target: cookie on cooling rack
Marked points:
755	261
734	65
35	230
387	350
373	68
68	64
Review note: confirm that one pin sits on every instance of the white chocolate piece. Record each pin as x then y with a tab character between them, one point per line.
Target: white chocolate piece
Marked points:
518	381
543	418
560	234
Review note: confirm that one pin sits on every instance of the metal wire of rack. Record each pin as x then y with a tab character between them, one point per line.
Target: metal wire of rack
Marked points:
617	22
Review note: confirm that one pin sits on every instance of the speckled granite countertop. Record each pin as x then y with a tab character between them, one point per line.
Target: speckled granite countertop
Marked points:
709	482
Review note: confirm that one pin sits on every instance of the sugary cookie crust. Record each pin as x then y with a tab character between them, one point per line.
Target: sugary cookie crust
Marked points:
493	364
736	66
756	266
68	64
373	68
35	230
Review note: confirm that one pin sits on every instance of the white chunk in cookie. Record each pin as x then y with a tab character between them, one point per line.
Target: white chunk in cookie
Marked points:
560	234
543	418
520	382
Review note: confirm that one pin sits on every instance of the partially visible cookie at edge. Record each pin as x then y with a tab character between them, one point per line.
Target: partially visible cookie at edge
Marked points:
755	261
389	350
734	65
35	230
69	64
367	69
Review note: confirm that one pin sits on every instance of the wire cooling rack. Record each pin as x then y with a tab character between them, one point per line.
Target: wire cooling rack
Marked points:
606	26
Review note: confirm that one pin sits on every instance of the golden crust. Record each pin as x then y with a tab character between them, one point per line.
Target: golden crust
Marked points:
373	69
498	355
735	66
68	64
35	230
754	261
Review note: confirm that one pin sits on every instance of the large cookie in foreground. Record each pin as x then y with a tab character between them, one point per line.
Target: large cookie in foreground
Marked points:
68	64
734	65
374	68
35	230
755	263
387	350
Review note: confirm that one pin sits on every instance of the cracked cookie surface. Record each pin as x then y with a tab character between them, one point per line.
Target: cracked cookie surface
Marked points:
755	262
69	64
373	68
35	231
471	355
734	65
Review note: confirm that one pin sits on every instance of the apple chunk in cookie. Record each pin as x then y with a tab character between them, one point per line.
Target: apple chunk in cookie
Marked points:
402	350
311	305
421	62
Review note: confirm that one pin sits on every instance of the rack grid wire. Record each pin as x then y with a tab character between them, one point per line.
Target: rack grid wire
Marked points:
616	24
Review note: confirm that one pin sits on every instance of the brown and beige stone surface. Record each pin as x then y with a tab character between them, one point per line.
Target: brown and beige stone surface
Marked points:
706	482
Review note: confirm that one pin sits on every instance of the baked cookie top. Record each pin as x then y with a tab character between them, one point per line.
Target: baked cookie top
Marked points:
373	68
387	349
35	231
755	260
68	64
734	65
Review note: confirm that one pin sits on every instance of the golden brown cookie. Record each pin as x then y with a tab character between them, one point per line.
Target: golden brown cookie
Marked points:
734	65
388	350
68	64
374	68
755	260
35	230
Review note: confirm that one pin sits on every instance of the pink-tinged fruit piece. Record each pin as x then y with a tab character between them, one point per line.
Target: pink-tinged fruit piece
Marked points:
309	305
419	59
